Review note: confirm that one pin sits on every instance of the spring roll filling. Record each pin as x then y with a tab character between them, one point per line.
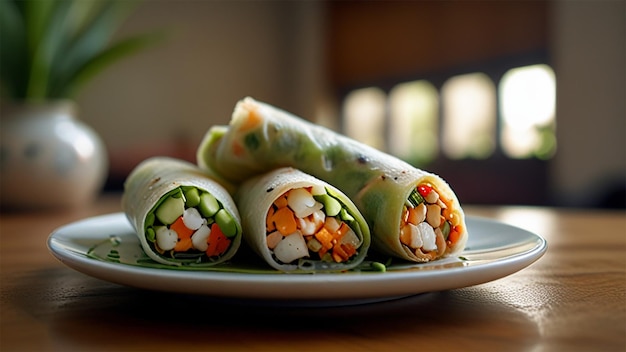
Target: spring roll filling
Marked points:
309	222
191	225
429	225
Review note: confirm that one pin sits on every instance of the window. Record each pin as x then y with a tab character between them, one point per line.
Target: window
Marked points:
527	109
492	127
469	116
413	123
364	112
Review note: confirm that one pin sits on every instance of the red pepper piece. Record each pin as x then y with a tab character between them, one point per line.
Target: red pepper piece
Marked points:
424	190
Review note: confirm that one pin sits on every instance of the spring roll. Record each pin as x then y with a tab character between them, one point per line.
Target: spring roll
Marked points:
412	213
298	223
181	215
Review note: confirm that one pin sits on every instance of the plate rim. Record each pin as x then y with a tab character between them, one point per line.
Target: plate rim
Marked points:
296	286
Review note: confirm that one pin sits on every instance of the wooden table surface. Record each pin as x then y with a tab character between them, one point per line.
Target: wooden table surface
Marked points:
572	299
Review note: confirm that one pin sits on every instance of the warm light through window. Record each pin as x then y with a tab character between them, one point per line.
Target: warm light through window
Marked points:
413	121
364	112
527	103
469	120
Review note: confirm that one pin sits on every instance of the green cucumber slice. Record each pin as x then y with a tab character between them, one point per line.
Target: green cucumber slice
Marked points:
150	234
226	222
208	205
170	210
150	219
331	205
445	229
345	216
192	197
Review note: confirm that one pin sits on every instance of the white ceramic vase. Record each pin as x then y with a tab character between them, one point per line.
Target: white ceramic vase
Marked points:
48	157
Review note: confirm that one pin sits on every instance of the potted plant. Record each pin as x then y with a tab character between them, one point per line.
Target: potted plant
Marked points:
50	49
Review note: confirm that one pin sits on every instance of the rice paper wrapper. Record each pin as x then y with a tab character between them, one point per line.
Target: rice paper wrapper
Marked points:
254	198
261	137
155	178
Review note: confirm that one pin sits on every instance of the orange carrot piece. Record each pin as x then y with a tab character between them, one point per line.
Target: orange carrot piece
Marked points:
339	254
183	245
285	221
281	201
343	229
343	252
218	243
447	213
325	238
184	235
454	235
252	120
269	223
222	245
214	237
181	229
238	149
349	249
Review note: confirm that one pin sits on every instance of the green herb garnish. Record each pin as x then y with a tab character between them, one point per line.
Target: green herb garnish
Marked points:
415	199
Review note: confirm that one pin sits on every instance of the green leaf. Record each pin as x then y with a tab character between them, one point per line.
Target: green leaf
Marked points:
51	47
37	19
98	63
90	37
37	15
13	56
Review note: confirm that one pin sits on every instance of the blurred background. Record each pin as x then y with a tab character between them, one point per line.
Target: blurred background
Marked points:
512	102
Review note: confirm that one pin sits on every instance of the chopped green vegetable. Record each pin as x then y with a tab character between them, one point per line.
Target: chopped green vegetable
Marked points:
192	197
150	234
445	229
331	205
208	205
227	224
252	141
345	216
314	245
170	210
379	267
150	219
415	199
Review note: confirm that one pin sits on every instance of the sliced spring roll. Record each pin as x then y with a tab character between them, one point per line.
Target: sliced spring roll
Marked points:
298	223
413	214
181	215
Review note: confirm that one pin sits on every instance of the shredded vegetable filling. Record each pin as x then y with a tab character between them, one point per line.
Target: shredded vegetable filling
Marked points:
429	226
304	222
190	224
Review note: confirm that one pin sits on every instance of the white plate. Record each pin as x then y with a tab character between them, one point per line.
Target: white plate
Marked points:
107	248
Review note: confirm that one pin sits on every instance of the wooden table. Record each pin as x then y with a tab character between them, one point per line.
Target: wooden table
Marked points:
572	299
